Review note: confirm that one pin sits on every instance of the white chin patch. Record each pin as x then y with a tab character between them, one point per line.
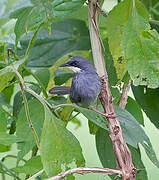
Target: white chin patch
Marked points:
74	69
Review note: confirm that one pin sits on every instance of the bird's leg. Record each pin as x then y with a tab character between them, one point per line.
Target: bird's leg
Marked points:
111	115
97	102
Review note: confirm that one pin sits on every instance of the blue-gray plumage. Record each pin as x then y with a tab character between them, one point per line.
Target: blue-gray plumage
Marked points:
86	84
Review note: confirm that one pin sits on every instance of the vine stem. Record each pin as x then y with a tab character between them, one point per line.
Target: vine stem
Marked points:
23	87
122	152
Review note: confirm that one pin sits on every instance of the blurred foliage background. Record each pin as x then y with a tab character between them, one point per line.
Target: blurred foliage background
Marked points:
74	41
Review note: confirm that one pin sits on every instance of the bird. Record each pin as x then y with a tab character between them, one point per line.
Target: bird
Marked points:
86	84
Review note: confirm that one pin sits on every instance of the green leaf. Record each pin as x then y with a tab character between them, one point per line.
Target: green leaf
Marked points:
2	52
150	153
28	18
62	76
115	28
141	50
93	117
23	130
58	148
135	110
93	128
148	100
18	100
31	167
67	36
134	134
7	74
56	100
105	149
42	75
31	17
3	100
132	131
3	121
137	161
110	65
8	92
7	139
4	148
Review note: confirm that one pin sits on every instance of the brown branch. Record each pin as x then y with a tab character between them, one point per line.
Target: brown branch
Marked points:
85	170
124	96
122	152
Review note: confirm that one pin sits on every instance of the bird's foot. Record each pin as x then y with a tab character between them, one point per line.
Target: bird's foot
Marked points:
106	115
110	115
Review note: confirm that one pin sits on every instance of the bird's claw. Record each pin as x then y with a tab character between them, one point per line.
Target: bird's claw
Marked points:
110	115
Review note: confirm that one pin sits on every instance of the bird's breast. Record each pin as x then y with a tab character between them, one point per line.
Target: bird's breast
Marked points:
85	88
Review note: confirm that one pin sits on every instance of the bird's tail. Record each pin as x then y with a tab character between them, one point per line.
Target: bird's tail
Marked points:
60	90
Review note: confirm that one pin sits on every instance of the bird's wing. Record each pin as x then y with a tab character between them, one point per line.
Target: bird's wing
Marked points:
60	90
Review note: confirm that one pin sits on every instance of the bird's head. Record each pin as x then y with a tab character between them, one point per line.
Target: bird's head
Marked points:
78	64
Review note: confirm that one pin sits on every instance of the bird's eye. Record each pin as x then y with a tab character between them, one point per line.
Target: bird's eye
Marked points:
74	64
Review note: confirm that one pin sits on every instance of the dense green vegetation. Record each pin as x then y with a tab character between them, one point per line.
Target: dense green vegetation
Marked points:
35	38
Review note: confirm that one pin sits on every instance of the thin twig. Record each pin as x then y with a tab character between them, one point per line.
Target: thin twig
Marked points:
124	96
154	21
41	99
23	87
85	170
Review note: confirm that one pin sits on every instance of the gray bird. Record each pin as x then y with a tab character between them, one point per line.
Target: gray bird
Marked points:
86	84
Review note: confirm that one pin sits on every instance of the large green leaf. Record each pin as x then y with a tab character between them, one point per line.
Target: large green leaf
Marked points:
7	74
4	148
3	121
148	100
23	130
141	50
133	107
137	161
3	100
18	100
132	131
29	18
31	167
42	75
58	148
105	149
93	117
7	139
115	28
67	36
110	64
134	134
8	92
107	156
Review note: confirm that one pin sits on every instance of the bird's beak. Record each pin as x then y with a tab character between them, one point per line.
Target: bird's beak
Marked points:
64	65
